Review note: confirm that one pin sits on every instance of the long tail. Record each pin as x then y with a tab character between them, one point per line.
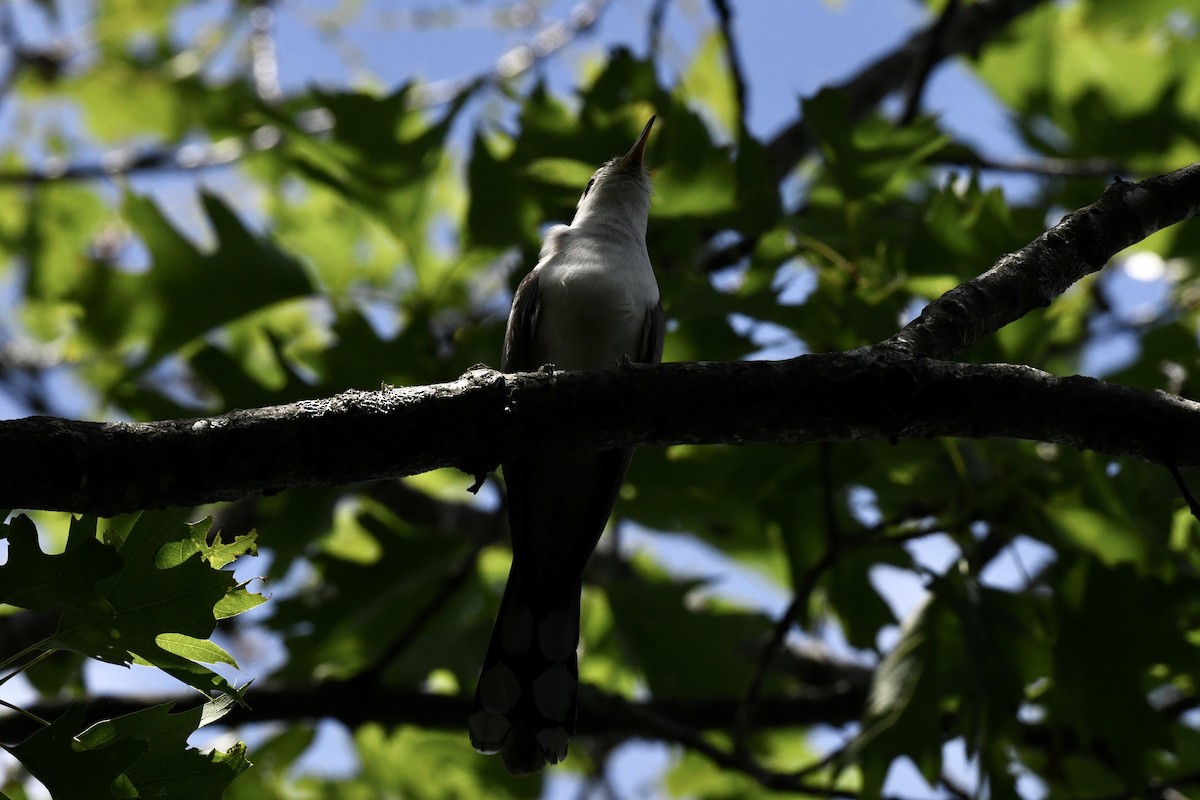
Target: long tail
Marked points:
525	703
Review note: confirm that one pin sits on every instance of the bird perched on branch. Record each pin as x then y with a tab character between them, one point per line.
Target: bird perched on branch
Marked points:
591	302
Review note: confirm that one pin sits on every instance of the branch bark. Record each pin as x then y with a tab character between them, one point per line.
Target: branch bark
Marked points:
485	416
1038	273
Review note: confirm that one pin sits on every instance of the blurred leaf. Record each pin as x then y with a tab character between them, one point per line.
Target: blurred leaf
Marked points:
655	622
872	157
164	307
707	83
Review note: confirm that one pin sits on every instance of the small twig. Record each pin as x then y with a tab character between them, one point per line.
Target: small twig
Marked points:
823	762
953	788
1193	506
1049	167
1156	787
725	21
930	55
424	615
803	590
770	650
736	761
126	160
27	714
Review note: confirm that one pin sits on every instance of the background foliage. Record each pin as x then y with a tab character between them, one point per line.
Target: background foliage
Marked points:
374	235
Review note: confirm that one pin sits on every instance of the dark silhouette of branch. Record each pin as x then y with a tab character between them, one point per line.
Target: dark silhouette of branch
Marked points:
1034	276
1047	167
453	581
725	24
1188	497
751	700
474	422
356	702
654	26
930	57
970	30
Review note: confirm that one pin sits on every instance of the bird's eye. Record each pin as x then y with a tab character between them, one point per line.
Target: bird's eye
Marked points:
588	188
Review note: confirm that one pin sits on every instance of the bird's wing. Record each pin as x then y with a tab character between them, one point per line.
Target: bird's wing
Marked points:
653	331
522	324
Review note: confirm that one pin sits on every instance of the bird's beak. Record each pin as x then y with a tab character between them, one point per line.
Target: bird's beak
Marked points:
634	156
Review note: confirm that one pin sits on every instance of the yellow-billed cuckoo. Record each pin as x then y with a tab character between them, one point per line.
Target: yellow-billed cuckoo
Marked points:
591	302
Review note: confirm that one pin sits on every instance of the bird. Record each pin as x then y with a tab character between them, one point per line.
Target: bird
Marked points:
592	301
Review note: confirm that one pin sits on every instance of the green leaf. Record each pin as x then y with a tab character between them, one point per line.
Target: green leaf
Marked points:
654	622
1112	542
565	172
237	601
149	600
218	554
69	771
169	768
871	157
31	579
202	650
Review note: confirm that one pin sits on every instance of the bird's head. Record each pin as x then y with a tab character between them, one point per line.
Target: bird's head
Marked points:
619	192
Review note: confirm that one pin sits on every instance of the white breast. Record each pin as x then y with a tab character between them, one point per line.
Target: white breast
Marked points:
594	296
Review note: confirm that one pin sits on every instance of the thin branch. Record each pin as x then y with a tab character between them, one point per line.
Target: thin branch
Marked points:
453	581
1156	786
930	56
1034	276
128	160
770	650
356	702
1048	167
970	30
802	592
1190	498
725	22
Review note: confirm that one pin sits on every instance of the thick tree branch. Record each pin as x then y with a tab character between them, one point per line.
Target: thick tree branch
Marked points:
475	422
1042	270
